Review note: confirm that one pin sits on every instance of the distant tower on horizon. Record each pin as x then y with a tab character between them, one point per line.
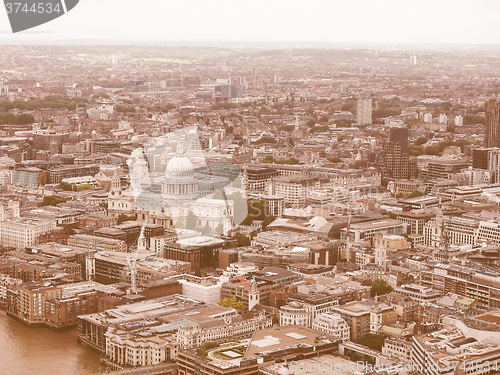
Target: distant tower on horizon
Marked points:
413	60
492	124
364	112
428	118
255	80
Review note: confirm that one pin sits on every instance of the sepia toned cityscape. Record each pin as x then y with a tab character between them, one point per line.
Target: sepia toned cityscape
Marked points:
254	208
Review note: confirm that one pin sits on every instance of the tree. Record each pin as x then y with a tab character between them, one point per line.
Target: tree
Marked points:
84	187
209	345
349	107
123	217
224	106
474	119
380	287
50	200
233	303
125	108
411	122
25	119
385	181
268	159
53	102
343	123
65	186
266	140
385	112
202	351
319	129
421	140
334	160
11	119
242	239
415	150
167	107
234	115
191	221
286	128
416	194
323	120
461	144
432	150
100	96
311	122
290	161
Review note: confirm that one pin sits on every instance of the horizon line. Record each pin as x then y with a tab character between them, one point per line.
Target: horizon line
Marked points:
417	46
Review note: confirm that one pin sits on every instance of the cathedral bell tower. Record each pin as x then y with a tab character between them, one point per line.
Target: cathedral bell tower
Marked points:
116	185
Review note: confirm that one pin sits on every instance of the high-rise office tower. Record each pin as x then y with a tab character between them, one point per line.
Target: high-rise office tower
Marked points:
255	80
400	136
428	118
492	124
364	113
488	159
480	157
394	161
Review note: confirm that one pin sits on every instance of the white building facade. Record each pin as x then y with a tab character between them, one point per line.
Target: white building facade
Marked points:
332	324
22	233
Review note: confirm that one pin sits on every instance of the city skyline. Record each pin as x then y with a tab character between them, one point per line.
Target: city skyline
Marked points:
350	23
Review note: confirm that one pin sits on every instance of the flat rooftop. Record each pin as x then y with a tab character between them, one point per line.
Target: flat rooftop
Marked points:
71	290
56	249
281	337
492	317
199	241
90	237
376	224
143	310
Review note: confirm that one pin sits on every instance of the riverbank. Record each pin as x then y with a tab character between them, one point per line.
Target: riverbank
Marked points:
41	351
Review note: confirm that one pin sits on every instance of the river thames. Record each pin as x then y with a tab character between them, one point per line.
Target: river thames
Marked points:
25	350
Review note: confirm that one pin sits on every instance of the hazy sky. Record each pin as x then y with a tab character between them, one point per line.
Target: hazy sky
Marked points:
335	21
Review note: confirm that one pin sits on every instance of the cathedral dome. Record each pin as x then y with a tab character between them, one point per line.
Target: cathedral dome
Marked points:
179	164
179	183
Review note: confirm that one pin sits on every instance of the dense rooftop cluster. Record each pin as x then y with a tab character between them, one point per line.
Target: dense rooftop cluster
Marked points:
212	211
